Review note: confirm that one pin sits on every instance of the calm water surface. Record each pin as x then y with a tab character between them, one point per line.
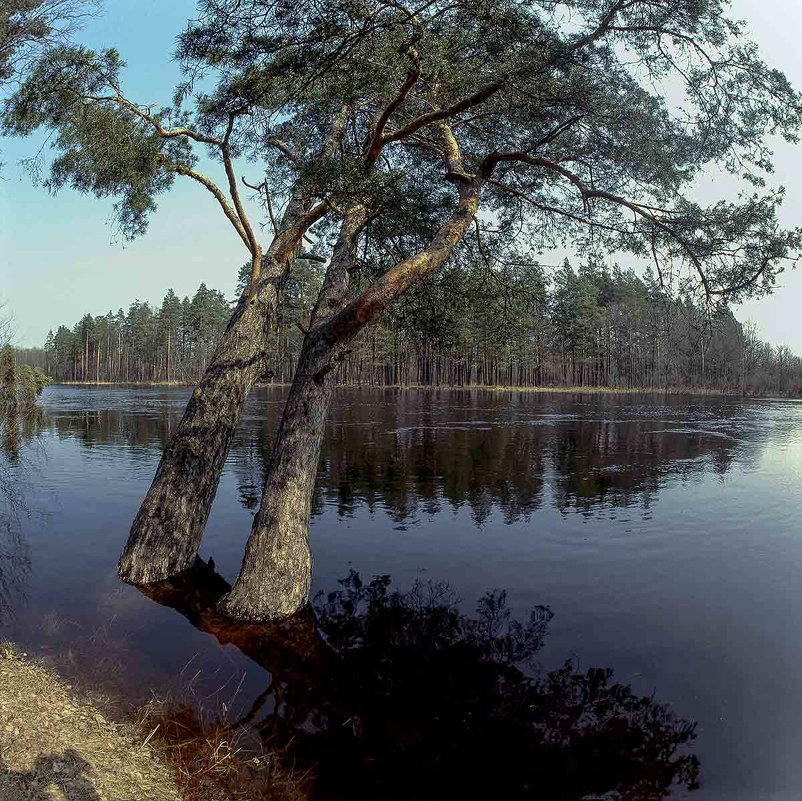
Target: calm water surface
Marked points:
664	535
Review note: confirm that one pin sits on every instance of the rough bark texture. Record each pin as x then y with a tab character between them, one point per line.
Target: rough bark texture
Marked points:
277	569
276	572
167	530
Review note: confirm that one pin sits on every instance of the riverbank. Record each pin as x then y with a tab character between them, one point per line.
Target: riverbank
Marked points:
50	739
571	390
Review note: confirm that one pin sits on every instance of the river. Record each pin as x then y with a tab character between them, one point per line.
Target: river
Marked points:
663	534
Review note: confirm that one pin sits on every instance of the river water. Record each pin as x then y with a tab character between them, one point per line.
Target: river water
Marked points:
663	534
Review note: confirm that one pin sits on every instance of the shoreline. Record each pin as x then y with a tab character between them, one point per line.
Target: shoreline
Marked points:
55	732
542	390
50	736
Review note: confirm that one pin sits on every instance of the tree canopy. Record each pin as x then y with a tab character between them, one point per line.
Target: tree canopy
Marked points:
552	120
29	26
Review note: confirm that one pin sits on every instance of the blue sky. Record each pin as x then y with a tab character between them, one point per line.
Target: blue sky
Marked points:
59	257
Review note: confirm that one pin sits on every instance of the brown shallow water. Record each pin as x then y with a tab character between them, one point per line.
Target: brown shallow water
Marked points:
663	535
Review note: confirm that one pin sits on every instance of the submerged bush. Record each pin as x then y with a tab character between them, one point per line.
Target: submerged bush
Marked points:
20	386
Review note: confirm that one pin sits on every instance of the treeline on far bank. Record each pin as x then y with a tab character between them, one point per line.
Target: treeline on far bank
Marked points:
517	326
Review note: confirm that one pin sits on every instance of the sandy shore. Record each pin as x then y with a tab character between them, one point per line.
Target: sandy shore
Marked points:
53	745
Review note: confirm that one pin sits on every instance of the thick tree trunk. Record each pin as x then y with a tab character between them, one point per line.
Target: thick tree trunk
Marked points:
167	530
277	569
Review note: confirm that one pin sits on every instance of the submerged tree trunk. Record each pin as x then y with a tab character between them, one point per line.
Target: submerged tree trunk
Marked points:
276	572
167	530
277	569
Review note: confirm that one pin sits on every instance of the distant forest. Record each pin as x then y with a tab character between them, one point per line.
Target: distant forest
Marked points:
520	326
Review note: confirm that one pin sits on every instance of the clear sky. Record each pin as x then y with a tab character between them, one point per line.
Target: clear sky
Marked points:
58	254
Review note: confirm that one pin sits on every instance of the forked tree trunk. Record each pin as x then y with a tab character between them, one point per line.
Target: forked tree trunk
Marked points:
277	569
276	572
167	530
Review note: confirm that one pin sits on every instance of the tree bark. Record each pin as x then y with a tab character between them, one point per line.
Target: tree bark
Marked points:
277	568
167	530
276	572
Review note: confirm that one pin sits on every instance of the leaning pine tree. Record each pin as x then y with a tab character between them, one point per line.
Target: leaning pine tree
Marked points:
396	136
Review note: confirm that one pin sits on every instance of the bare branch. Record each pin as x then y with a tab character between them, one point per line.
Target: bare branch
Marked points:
225	151
443	114
183	169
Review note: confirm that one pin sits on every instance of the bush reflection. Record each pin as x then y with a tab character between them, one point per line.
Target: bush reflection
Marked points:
389	694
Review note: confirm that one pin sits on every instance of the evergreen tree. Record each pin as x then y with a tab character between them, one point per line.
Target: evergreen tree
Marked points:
390	134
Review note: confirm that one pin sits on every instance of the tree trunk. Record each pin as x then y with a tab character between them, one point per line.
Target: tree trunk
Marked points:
167	530
277	568
276	572
166	533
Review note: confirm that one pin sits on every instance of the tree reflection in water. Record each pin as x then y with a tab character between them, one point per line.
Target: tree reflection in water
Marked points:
590	460
389	694
406	455
17	430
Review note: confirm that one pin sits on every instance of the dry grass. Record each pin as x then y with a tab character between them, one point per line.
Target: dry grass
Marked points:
214	761
54	746
165	751
568	390
209	758
573	390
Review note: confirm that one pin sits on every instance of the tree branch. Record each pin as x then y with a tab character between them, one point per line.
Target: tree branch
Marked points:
346	323
286	150
165	133
232	187
605	23
183	169
377	140
443	114
636	208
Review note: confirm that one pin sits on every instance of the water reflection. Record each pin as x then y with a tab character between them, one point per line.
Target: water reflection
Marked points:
17	430
385	694
408	455
15	569
663	532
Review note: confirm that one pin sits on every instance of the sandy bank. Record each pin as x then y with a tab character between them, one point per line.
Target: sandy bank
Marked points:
53	746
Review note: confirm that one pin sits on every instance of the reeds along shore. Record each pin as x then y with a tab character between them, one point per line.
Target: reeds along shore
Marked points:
573	390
